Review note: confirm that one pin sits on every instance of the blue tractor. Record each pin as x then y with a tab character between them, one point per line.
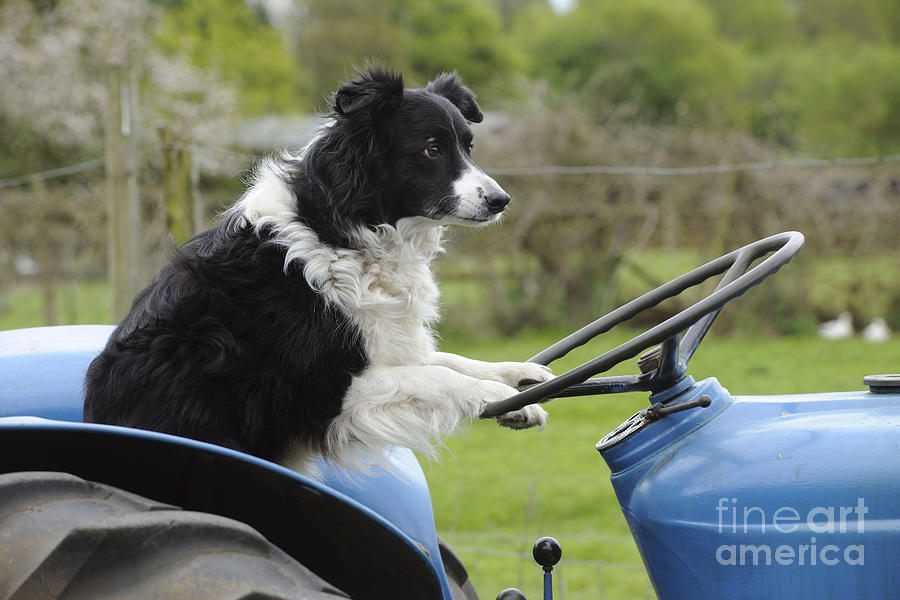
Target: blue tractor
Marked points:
726	496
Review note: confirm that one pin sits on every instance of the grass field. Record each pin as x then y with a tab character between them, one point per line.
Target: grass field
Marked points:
83	302
495	491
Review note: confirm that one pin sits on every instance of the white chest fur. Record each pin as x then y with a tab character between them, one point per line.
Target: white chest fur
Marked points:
385	286
389	292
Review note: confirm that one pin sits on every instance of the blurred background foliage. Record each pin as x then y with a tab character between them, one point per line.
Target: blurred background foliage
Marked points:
662	84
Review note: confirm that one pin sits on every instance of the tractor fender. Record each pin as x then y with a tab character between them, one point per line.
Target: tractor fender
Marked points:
344	542
348	526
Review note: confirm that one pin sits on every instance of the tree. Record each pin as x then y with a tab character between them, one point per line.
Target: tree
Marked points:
421	39
336	35
54	55
665	59
62	53
760	25
52	108
227	38
461	35
835	98
870	21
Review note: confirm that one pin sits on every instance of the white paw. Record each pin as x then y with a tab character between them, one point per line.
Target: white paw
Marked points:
494	391
487	392
520	374
530	416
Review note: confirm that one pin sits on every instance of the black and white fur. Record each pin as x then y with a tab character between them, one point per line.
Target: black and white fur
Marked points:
300	326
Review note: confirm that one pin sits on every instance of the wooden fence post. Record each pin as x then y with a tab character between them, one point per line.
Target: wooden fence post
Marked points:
178	189
46	251
123	208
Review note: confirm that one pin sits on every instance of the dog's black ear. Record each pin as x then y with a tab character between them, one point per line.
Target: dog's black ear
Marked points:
375	92
451	87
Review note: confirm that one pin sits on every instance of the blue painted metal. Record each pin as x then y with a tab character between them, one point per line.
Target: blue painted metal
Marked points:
766	497
42	369
42	374
399	494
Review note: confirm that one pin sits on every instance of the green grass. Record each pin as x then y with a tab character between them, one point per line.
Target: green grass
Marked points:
75	303
495	491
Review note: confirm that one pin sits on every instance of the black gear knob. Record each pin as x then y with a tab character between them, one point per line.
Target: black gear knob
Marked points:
511	594
547	553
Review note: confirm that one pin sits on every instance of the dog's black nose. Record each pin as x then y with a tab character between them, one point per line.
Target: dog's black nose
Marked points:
496	201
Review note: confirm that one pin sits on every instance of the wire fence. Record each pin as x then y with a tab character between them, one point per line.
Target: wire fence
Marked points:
74	169
245	159
567	245
801	163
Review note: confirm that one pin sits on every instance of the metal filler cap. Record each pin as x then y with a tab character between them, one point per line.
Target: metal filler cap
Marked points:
883	384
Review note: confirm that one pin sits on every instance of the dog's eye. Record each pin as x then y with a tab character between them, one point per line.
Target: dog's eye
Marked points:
432	151
469	148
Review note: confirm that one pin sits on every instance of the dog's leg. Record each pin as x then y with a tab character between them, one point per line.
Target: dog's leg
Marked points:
514	374
410	406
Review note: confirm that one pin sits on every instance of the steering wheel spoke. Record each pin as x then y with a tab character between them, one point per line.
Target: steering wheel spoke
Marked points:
697	331
617	384
676	349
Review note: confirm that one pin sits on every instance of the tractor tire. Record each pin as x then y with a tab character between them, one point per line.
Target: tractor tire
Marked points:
457	576
64	537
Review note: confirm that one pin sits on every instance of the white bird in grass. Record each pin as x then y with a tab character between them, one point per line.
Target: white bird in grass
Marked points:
838	329
877	331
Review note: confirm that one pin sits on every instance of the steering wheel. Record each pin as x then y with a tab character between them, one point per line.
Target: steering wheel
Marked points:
664	368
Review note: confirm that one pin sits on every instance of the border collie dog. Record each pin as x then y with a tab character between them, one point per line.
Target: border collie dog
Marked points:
300	326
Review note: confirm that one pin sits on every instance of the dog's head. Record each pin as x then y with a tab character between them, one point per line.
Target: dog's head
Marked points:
390	153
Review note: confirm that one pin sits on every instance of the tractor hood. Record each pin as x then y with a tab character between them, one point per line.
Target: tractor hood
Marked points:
789	496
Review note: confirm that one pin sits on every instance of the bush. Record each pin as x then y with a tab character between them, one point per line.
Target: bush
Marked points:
575	246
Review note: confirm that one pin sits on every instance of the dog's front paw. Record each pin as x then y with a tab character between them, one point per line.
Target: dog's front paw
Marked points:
488	391
530	416
521	374
494	391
